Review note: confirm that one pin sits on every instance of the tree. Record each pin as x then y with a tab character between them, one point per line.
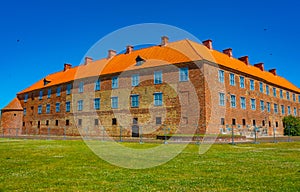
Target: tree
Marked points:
291	125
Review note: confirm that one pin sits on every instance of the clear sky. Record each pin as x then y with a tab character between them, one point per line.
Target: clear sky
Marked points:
38	37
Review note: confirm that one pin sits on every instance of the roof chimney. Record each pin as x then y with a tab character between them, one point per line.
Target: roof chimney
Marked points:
228	52
273	71
67	66
164	40
260	66
208	43
129	49
245	59
88	60
111	53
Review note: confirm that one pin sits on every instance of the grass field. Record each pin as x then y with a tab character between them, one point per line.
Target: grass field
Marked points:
48	165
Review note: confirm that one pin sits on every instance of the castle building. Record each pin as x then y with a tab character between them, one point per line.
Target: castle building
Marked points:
182	87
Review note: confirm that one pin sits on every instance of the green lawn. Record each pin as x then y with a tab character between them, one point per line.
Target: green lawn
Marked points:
45	165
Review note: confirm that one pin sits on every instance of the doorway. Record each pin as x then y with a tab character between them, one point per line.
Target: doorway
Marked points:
135	128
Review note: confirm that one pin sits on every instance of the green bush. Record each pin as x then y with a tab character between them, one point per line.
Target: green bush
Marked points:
291	124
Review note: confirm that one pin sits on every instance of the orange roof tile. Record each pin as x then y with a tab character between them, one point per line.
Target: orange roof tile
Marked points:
154	56
238	65
13	105
175	52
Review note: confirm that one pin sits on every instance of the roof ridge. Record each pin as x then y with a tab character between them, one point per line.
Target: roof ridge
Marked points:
251	67
188	41
13	105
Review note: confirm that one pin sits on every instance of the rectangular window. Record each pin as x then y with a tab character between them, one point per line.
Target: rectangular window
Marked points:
57	107
268	107
24	111
243	103
158	120
282	109
56	122
295	111
232	79
58	89
81	87
281	94
97	103
221	76
96	122
80	105
114	102
47	122
253	104
114	121
157	77
288	95
48	108
40	109
69	87
244	122
294	97
242	82
41	95
221	99
26	97
274	92
262	105
183	74
115	82
67	122
135	80
157	99
134	100
79	122
233	122
233	101
97	85
261	87
289	110
252	87
275	108
222	121
49	93
68	106
267	90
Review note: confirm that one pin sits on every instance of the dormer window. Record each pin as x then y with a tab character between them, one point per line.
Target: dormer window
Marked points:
139	61
46	81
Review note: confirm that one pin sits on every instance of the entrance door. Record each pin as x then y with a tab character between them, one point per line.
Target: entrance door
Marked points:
135	128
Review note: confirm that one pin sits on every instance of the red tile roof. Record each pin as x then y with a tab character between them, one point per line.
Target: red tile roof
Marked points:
175	52
238	65
13	105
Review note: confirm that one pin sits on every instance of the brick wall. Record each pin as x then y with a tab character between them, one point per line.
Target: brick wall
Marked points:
194	105
11	122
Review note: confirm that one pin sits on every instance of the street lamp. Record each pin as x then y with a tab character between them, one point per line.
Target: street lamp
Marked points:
232	135
274	134
289	129
255	135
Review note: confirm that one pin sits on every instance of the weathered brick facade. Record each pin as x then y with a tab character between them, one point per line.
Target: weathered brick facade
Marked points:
11	118
187	106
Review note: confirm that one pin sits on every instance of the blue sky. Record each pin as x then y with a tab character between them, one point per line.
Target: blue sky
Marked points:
38	37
